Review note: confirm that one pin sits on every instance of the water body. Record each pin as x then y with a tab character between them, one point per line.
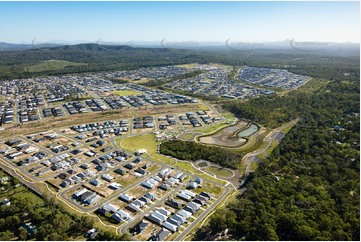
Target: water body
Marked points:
247	132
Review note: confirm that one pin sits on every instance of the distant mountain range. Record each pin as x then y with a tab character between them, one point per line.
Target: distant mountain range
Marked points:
15	59
165	43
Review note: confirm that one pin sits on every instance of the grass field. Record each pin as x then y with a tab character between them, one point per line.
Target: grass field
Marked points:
313	85
187	136
269	150
219	171
228	115
51	65
22	193
131	80
210	129
203	107
126	92
210	188
188	66
147	142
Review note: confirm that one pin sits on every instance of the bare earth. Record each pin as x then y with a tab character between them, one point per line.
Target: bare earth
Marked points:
224	137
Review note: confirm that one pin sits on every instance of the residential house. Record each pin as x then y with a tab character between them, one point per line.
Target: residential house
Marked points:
161	235
132	207
107	177
126	198
139	227
115	185
95	182
184	213
150	195
170	226
179	218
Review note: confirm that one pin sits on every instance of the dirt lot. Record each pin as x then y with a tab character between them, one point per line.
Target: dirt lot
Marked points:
212	114
102	189
224	137
119	203
140	131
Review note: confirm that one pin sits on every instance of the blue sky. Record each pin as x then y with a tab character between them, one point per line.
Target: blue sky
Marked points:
179	21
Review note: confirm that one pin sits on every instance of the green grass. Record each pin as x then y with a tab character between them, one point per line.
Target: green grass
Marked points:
269	150
254	166
188	66
126	92
313	85
228	115
212	128
135	143
51	65
153	168
128	182
22	193
30	197
203	107
149	143
219	171
287	127
202	164
188	136
189	168
210	188
253	143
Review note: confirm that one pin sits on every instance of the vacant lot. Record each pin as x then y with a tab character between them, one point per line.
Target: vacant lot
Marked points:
126	92
147	142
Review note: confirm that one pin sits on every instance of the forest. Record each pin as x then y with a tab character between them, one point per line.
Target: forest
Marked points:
309	188
95	58
188	150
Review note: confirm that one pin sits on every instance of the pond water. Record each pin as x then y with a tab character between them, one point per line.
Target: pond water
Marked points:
247	132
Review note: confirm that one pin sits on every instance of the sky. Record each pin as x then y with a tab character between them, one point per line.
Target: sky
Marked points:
179	21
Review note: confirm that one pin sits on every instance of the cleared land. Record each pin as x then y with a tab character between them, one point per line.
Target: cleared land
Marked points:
147	142
58	122
126	92
224	136
51	65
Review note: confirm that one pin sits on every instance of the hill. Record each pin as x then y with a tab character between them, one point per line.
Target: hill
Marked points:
92	57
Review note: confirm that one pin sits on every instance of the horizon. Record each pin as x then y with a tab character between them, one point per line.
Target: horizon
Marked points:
121	22
158	42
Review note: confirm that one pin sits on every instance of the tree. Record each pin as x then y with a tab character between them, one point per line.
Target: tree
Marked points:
7	235
23	234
